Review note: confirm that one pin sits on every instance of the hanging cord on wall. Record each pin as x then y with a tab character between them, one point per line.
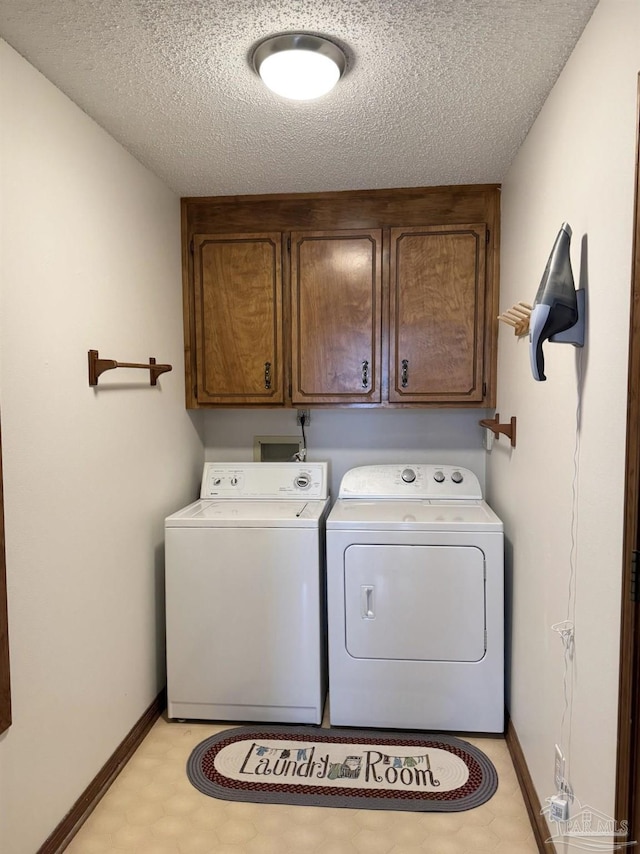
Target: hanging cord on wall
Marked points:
566	628
301	456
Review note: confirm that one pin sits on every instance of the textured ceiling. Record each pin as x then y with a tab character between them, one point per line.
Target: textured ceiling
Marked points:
436	91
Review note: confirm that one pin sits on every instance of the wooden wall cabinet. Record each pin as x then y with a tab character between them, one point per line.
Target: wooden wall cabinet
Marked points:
437	317
238	318
369	298
336	295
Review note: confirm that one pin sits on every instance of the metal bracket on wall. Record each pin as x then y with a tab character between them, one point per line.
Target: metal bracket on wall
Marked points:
98	366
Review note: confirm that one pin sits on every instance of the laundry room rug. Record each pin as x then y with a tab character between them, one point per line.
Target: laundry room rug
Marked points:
357	769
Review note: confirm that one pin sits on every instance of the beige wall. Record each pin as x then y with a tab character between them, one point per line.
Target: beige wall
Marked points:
90	259
577	164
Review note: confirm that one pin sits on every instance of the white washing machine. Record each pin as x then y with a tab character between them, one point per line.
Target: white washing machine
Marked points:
415	601
245	604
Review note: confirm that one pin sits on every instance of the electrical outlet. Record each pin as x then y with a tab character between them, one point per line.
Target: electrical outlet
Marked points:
307	417
559	808
559	769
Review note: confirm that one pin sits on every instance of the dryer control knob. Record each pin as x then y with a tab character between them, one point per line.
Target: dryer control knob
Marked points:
234	481
217	481
408	475
438	476
302	481
457	477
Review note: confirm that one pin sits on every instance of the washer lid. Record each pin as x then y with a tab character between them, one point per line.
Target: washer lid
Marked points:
396	515
248	514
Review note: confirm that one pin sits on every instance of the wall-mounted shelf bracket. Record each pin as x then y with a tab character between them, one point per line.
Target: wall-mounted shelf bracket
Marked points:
496	428
98	366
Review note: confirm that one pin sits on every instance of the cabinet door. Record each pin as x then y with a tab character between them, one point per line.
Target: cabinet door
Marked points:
238	315
437	314
336	286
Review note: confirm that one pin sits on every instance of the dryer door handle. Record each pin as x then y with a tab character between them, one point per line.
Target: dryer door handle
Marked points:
367	599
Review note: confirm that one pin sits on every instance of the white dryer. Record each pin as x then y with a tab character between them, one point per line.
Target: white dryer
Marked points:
245	604
415	601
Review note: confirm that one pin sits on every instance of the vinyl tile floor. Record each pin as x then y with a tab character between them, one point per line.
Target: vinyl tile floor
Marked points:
152	808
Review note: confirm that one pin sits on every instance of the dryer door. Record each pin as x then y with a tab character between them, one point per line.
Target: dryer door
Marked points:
411	602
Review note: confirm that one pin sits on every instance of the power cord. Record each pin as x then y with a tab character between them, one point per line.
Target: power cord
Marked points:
301	456
566	628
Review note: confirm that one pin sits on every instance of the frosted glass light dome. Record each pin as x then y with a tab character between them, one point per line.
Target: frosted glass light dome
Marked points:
299	66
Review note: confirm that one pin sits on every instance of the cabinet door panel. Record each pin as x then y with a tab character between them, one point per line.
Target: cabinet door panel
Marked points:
336	293
437	313
238	310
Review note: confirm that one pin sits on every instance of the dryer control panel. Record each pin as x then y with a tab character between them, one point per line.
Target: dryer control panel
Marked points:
424	481
265	480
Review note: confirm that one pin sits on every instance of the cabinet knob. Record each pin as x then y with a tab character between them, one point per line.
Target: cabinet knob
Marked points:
405	373
267	374
365	374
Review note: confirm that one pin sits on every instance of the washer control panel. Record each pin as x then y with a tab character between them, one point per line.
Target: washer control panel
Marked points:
265	480
427	482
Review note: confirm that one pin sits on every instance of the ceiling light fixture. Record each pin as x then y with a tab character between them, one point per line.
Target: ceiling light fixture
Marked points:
299	66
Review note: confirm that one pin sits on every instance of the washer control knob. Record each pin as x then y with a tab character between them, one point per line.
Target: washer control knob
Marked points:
408	475
302	481
457	477
234	481
438	476
217	481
